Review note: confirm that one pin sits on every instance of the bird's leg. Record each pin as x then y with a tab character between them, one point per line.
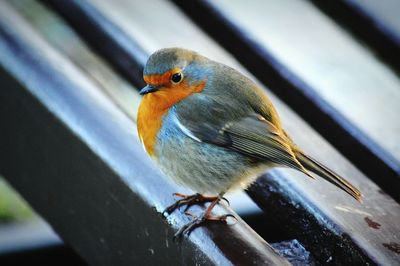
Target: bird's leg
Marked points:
190	200
205	216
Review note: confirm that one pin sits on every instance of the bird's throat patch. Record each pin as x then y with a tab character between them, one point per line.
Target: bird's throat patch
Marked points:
153	107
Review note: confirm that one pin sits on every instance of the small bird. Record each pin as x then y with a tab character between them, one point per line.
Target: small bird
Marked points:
213	130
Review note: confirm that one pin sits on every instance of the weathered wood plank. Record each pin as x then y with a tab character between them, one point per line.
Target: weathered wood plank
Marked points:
376	23
65	40
74	156
384	14
311	71
117	49
340	70
329	223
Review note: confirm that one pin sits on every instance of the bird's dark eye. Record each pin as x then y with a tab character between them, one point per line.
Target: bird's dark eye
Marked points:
177	77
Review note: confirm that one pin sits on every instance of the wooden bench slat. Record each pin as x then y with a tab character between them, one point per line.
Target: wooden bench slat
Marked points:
125	55
365	136
330	213
73	154
384	14
375	23
340	70
60	36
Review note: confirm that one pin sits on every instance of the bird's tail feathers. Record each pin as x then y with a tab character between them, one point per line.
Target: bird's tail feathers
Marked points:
316	167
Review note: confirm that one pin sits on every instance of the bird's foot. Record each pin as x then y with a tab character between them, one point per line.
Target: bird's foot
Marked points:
204	217
198	221
190	200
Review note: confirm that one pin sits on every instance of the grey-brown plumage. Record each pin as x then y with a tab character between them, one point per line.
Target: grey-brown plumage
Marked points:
220	138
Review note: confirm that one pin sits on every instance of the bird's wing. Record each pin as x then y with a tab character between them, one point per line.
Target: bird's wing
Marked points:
251	135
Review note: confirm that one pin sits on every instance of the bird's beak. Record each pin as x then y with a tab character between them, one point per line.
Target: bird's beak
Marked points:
148	89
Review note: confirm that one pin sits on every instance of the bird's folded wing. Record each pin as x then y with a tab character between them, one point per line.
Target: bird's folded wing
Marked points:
251	135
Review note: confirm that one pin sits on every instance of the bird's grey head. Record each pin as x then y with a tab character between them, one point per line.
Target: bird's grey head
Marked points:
166	59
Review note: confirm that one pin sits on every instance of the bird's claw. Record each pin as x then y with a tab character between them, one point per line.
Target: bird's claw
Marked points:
188	228
189	200
222	218
172	207
191	215
197	221
226	200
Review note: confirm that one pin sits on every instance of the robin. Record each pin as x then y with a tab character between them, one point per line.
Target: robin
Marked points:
213	130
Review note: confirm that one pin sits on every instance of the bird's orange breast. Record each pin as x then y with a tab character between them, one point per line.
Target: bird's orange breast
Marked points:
155	105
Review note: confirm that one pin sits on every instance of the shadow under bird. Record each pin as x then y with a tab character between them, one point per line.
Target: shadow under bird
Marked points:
211	129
